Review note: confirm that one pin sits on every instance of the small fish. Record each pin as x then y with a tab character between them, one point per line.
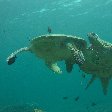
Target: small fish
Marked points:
49	30
65	98
77	98
93	104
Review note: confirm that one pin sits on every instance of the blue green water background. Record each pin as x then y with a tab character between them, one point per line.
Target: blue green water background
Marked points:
29	80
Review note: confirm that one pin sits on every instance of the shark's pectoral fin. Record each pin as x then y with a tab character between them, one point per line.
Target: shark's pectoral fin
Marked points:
54	67
91	81
105	83
69	65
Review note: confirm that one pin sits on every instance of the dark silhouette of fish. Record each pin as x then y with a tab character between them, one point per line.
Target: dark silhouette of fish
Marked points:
93	104
77	98
49	30
65	98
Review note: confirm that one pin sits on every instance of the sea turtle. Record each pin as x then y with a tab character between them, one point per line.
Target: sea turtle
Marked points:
55	47
98	61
